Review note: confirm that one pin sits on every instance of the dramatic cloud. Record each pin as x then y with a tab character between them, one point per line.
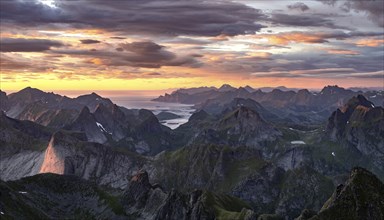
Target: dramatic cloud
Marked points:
304	21
144	54
27	45
89	41
9	64
298	6
373	8
167	17
285	38
143	47
164	40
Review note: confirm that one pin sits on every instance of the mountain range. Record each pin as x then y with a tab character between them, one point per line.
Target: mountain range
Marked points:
243	154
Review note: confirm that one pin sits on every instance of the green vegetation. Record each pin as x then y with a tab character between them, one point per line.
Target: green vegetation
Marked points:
111	201
226	207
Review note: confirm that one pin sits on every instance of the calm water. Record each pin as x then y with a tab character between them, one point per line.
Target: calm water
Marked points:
144	102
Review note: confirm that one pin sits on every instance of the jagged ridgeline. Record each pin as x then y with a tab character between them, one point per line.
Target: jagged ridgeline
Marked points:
243	154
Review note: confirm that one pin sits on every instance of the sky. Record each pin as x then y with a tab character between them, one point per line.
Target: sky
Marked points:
165	44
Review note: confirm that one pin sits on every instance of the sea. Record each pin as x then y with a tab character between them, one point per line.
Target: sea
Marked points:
144	102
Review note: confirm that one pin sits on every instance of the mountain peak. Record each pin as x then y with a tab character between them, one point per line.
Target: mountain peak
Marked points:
328	90
356	101
92	95
226	88
361	197
200	115
30	91
243	113
249	89
84	111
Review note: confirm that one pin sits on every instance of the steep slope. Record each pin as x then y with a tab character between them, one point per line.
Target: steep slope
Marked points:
50	109
51	196
216	107
28	148
4	102
63	196
237	127
243	173
92	101
87	123
359	126
69	155
22	145
150	202
361	197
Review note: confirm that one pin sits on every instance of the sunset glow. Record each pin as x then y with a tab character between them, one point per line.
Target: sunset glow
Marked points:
156	45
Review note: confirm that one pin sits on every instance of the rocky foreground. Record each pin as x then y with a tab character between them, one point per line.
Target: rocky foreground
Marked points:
52	196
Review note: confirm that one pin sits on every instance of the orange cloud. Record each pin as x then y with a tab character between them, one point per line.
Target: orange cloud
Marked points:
343	52
97	61
369	42
292	37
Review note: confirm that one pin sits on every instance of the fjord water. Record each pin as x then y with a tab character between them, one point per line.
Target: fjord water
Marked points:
144	102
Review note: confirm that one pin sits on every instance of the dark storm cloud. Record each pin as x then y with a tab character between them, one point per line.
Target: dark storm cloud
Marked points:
298	6
145	54
303	20
27	45
373	8
89	41
143	47
168	17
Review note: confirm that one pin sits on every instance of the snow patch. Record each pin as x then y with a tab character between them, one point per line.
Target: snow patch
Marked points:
2	213
102	128
297	142
374	96
333	154
22	192
372	105
291	129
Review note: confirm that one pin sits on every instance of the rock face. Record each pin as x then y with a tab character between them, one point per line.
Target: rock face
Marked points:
51	196
4	102
29	148
361	197
238	127
86	122
359	125
243	173
151	202
68	155
22	145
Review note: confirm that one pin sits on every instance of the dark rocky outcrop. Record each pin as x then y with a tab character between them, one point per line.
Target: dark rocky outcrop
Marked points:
361	197
4	102
86	122
359	126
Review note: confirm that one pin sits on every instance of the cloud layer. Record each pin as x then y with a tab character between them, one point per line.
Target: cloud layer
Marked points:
213	40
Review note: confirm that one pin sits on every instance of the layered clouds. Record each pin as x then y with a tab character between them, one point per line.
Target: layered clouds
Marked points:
191	41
